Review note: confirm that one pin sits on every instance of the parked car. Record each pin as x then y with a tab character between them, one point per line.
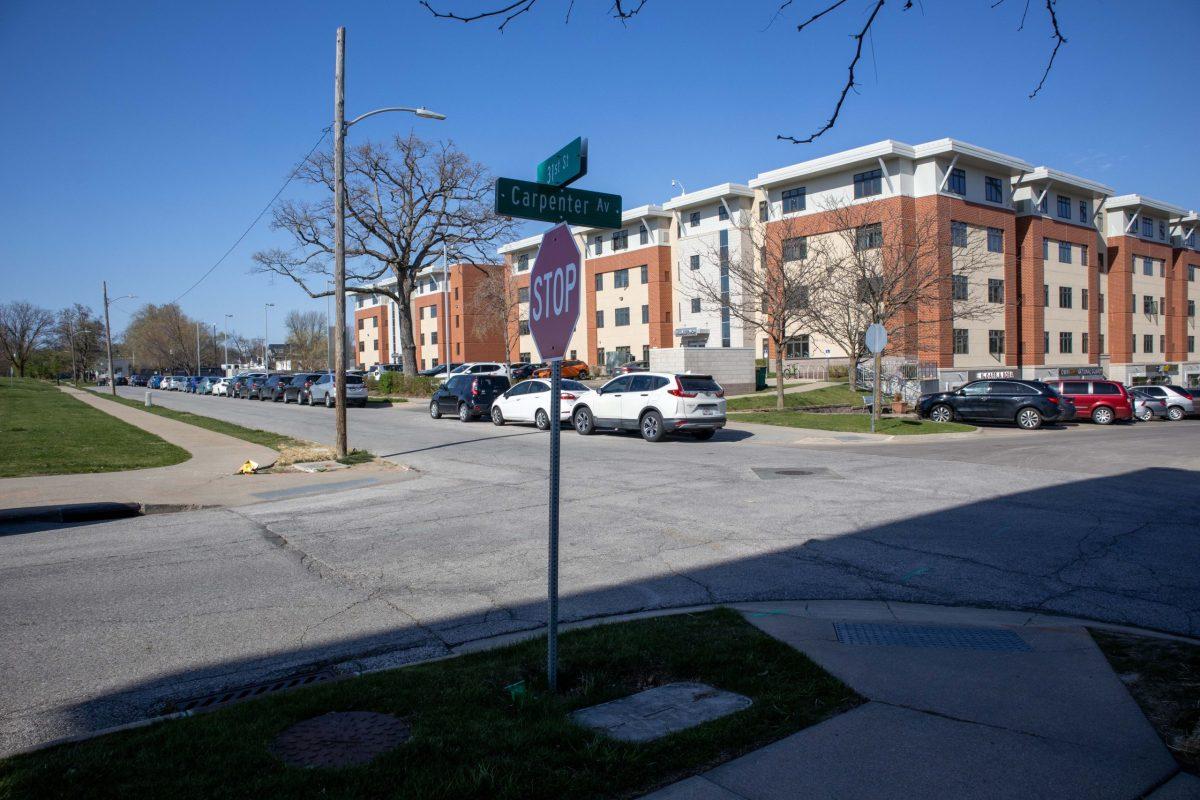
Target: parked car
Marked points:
468	396
440	369
205	384
1101	401
253	389
529	401
571	368
323	391
272	388
477	368
220	387
633	366
176	383
298	388
137	380
522	370
377	371
241	384
1027	403
654	403
1146	406
1180	402
155	382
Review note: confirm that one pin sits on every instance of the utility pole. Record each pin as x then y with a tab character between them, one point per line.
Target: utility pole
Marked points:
266	366
227	316
112	381
446	320
339	236
197	348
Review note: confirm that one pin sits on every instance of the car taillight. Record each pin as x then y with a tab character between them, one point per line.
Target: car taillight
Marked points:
567	396
1052	399
720	392
678	390
475	387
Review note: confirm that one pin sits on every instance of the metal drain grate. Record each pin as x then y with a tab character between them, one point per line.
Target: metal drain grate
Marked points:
994	639
217	699
776	473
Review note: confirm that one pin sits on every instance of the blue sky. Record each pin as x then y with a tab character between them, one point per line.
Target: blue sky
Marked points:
141	138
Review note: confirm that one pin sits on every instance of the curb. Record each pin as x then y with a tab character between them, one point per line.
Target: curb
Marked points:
72	512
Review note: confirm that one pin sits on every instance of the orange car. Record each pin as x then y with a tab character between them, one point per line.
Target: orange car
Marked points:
571	368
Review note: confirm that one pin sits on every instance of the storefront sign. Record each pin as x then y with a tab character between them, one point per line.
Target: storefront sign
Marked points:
1080	372
1162	369
990	374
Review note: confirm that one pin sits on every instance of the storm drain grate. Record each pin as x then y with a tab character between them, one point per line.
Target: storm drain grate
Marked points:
994	639
217	699
776	473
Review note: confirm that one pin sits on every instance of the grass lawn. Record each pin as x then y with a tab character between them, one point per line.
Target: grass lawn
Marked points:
48	432
839	395
1163	676
275	441
471	738
853	423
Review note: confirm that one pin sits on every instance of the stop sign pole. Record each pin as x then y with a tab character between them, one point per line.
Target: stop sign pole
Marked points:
554	288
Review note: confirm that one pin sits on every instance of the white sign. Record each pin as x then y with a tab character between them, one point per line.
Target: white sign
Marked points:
876	338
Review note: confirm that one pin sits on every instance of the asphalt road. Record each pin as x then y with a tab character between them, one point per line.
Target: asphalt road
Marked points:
108	623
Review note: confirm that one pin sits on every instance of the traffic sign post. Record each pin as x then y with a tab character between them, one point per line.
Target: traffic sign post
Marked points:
566	166
876	340
540	201
554	290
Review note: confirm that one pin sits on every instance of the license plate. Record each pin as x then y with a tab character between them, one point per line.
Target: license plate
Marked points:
708	412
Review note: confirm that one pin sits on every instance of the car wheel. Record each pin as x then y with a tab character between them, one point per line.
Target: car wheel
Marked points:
1145	415
434	411
941	413
464	413
542	420
584	424
1102	416
652	426
497	416
1174	413
329	401
1029	419
702	436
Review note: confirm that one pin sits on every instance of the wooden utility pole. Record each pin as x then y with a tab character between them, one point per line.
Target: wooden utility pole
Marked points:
339	235
112	379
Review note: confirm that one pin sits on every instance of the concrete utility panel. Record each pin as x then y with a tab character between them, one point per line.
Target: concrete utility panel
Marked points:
732	367
657	712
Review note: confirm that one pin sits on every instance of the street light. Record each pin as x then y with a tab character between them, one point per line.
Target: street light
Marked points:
227	318
678	185
266	366
112	379
340	128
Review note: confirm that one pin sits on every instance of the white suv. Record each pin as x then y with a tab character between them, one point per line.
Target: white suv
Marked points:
475	368
656	404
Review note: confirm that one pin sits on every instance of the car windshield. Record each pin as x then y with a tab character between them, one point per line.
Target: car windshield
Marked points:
697	383
352	380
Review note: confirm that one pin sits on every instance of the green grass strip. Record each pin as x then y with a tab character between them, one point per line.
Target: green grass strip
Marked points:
854	423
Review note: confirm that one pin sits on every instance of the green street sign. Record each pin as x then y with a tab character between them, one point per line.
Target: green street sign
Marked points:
566	166
529	200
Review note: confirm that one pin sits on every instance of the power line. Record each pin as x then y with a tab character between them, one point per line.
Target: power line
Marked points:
254	222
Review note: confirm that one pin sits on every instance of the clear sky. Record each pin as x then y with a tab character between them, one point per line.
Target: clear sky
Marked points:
140	138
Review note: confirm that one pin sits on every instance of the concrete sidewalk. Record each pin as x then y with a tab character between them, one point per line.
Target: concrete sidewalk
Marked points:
962	703
208	478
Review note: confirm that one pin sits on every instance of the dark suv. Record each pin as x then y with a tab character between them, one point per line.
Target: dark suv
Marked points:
469	396
272	388
298	388
1027	403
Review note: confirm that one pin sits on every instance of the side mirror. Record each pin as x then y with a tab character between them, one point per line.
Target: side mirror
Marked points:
960	393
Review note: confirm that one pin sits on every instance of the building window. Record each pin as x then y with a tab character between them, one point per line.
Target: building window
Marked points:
694	262
764	211
694	219
1045	343
995	240
620	240
695	305
1192	273
795	249
1162	344
1191	344
1148	343
1191	308
522	262
958	233
523	327
869	237
1042	204
794	200
867	184
1083	254
961	342
598	245
996	343
993	192
1147	227
433	337
1064	207
1045	249
1065	343
362	346
646	354
1083	300
957	184
1162	229
422	339
599	279
1064	252
1064	297
525	358
1148	305
643	234
1133	343
600	356
360	323
522	295
1046	295
722	212
645	314
1147	267
1083	343
1083	217
599	317
645	273
796	347
995	290
1100	306
622	317
1101	342
621	279
959	287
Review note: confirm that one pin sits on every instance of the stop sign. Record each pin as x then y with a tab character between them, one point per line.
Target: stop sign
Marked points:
554	288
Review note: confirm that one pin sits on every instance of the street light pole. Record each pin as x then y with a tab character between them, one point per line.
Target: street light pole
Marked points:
266	335
197	350
112	381
446	315
227	316
340	127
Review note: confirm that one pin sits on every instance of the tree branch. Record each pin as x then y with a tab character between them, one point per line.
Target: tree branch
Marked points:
1059	41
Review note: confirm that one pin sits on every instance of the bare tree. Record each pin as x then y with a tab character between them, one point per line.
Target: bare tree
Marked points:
509	10
495	303
405	203
80	335
307	339
24	329
162	337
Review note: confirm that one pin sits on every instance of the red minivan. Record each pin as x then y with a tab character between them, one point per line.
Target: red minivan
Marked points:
1102	401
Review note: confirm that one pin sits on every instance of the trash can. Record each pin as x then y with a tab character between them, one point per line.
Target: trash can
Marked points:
760	378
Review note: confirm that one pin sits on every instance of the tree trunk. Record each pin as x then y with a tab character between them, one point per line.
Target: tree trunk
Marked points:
779	376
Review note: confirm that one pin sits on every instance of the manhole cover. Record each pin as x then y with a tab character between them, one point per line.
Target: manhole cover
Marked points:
340	739
776	473
995	639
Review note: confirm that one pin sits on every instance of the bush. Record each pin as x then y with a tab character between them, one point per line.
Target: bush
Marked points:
406	385
760	362
837	372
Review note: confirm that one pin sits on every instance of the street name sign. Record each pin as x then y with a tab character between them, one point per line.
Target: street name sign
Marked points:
876	337
566	166
529	200
554	290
